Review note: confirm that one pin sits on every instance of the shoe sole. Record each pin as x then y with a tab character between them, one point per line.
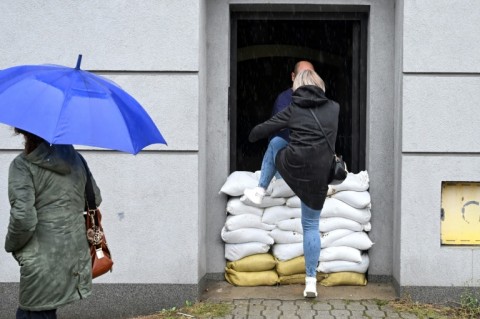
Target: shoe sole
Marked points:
309	294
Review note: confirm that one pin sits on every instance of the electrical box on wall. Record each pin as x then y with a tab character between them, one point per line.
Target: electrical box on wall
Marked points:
460	213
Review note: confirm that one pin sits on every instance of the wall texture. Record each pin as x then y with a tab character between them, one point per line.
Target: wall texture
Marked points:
154	202
440	96
163	213
112	35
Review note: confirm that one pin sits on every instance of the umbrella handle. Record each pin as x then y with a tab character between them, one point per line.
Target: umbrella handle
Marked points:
79	61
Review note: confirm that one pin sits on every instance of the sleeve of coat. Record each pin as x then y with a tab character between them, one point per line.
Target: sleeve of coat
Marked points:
274	124
23	215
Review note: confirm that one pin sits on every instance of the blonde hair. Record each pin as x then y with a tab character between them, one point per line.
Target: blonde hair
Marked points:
308	77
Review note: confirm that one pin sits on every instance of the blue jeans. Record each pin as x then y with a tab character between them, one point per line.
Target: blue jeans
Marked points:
310	217
311	239
268	169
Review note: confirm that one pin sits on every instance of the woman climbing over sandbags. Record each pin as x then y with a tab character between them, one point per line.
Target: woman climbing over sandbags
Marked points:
303	162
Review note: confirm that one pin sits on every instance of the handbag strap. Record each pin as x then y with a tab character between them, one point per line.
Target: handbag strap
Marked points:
321	127
89	193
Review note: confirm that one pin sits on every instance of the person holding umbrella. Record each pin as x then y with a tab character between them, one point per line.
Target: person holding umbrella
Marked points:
303	162
46	233
55	107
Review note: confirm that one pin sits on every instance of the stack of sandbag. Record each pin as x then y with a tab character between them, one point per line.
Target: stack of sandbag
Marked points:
286	233
344	223
288	241
254	270
292	271
244	232
251	229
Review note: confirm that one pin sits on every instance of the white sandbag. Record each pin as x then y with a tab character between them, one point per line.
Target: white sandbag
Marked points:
235	252
341	265
354	199
294	202
281	189
272	215
285	236
293	224
245	235
235	222
359	240
237	182
236	207
328	238
331	223
341	253
367	227
287	251
354	182
267	201
336	208
269	188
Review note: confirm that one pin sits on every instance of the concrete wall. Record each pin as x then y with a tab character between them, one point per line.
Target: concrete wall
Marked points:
380	120
439	123
163	213
154	203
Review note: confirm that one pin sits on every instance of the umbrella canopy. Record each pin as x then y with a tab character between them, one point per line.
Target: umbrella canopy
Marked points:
70	106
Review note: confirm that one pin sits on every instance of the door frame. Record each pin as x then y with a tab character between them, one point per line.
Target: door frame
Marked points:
359	67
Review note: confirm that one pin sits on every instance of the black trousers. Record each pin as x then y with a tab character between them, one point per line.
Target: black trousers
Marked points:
45	314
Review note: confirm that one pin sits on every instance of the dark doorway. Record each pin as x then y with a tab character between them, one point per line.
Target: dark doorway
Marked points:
265	48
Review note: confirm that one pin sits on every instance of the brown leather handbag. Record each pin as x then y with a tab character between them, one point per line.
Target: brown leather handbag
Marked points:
101	257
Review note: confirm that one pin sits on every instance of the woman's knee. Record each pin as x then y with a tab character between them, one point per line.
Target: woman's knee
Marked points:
310	225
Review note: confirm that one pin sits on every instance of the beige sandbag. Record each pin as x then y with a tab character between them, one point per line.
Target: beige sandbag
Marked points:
344	279
251	279
292	279
298	279
258	262
291	267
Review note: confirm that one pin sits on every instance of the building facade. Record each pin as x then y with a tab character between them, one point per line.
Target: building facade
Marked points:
411	81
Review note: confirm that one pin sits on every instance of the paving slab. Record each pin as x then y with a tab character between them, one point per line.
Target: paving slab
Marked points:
287	301
223	291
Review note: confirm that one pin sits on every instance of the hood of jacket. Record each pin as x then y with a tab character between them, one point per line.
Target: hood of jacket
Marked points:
56	158
309	96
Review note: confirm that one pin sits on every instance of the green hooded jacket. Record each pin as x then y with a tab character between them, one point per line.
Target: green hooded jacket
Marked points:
46	233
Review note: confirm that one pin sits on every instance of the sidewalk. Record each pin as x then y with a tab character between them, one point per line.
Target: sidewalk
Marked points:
286	302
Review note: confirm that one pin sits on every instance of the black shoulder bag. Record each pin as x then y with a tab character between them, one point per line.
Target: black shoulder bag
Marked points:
338	169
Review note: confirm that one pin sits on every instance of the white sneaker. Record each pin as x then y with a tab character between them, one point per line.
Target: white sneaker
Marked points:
255	195
310	287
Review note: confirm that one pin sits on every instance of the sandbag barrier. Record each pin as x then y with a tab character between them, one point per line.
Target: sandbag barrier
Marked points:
264	243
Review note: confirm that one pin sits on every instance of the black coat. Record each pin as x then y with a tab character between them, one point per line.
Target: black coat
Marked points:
305	162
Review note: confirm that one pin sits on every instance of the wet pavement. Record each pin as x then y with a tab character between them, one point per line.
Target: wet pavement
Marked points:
284	302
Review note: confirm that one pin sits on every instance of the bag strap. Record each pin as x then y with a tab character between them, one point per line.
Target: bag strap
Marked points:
321	127
89	193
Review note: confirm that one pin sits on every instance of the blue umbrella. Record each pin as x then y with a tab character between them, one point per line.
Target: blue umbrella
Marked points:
70	106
